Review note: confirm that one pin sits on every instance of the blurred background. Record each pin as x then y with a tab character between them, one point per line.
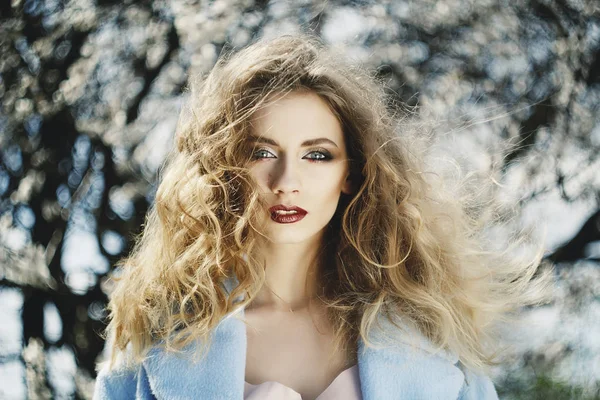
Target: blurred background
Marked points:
90	93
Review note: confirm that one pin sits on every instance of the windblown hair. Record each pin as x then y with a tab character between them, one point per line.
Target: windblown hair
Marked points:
396	246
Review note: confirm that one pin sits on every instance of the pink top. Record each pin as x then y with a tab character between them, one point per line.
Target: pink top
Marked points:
345	386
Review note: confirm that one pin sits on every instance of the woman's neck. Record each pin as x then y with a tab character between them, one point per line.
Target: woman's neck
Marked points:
291	272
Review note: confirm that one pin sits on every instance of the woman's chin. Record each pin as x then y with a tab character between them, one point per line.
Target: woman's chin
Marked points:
286	239
289	236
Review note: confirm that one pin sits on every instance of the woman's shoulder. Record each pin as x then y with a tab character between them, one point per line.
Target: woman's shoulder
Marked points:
400	359
476	385
178	373
118	379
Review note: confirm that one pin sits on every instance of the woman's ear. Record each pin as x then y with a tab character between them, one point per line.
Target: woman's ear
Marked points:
347	187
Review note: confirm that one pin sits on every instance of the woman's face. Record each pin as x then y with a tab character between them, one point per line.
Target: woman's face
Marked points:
299	159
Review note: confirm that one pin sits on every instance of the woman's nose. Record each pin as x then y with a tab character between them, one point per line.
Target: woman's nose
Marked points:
285	177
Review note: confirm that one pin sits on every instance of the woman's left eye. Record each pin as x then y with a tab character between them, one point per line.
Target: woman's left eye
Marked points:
319	156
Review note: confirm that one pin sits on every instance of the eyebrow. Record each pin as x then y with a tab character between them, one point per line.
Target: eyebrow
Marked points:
306	143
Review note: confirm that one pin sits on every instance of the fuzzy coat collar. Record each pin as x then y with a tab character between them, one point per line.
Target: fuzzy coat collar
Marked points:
410	369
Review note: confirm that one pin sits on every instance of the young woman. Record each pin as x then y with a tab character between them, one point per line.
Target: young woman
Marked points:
296	251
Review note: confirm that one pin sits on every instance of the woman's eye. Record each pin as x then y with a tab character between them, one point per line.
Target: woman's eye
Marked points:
319	156
261	153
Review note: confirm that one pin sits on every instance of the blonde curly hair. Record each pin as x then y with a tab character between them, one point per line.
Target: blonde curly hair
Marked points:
396	246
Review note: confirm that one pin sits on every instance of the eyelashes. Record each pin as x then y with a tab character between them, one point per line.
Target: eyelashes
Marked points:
318	155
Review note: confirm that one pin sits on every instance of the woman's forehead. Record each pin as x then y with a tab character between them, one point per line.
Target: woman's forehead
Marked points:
297	118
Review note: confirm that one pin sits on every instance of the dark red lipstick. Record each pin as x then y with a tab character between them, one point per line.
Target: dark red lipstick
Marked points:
287	214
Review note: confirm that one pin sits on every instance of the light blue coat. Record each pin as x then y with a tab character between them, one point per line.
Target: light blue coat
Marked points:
410	370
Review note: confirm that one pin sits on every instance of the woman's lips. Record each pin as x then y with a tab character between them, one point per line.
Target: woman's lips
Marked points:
286	218
281	214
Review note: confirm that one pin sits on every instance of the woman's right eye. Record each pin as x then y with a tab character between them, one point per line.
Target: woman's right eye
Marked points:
261	153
